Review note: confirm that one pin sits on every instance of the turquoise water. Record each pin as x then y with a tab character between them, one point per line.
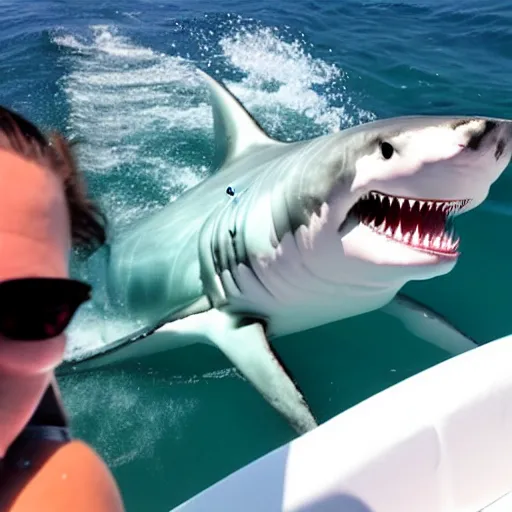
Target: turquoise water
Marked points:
119	79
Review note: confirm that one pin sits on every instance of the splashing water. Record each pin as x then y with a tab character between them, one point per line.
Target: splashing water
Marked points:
270	63
122	99
144	125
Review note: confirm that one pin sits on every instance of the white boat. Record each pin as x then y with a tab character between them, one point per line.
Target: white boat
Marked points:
440	441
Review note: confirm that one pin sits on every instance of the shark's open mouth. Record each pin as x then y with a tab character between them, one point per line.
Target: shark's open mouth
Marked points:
422	224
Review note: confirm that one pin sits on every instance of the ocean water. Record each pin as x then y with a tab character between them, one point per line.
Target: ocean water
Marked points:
118	77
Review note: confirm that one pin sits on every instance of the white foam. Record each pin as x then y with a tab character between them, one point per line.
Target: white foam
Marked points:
131	107
88	333
122	97
292	75
266	59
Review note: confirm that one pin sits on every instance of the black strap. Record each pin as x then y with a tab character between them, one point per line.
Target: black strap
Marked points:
48	422
50	411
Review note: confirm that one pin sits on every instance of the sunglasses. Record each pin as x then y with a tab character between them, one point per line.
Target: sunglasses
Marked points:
36	309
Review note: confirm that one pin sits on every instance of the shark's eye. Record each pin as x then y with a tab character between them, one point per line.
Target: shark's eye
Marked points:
387	150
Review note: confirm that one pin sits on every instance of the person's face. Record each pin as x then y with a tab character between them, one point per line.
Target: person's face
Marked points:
34	242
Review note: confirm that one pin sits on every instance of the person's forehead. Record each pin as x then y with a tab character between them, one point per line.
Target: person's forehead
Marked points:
34	224
28	183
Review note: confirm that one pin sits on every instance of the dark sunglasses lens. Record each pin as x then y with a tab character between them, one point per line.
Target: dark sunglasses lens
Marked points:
39	309
28	325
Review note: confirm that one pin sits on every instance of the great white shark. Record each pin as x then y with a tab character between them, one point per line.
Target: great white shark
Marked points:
285	237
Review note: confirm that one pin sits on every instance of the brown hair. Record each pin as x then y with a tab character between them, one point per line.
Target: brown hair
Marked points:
21	136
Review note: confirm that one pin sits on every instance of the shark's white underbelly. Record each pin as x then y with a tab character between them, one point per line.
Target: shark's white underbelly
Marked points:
304	303
289	320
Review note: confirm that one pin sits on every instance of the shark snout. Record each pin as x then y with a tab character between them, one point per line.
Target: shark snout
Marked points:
503	142
487	134
476	137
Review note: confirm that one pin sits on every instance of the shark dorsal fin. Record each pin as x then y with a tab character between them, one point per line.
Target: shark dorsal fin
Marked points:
235	129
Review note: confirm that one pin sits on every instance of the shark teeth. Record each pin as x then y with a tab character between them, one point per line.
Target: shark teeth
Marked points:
420	223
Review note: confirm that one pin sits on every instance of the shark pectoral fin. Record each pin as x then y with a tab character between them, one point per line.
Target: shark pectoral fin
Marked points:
248	349
428	325
244	343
